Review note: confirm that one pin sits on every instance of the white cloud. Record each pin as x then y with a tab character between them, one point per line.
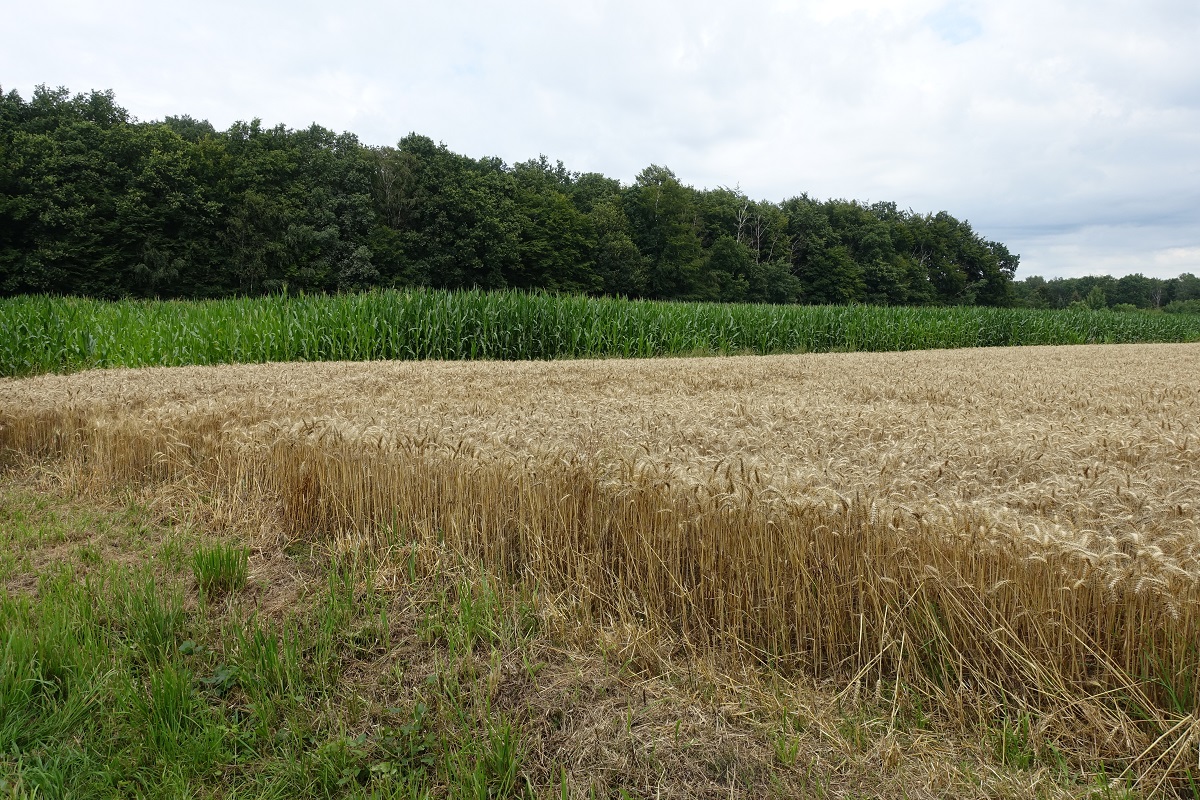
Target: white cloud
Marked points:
1081	119
1162	249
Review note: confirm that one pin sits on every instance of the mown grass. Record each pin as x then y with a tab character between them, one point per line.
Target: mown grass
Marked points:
45	334
117	681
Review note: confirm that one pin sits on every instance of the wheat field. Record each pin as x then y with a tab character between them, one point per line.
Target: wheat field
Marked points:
1006	523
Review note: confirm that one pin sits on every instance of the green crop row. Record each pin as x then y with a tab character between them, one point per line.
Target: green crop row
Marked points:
51	334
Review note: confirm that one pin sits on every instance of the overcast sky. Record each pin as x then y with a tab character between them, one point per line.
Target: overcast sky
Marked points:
1068	130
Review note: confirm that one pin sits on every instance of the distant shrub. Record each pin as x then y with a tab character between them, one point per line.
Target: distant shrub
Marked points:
1182	307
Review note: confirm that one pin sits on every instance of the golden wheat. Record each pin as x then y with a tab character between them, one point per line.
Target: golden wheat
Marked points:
1020	522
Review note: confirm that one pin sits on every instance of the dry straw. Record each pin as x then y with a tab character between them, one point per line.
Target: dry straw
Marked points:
1020	525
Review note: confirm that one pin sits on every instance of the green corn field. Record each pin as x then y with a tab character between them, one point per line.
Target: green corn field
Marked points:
49	334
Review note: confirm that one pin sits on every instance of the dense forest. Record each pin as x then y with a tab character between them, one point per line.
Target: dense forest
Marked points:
94	202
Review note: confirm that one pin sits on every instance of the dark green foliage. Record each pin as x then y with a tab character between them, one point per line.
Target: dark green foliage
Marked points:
451	219
95	203
1179	295
65	334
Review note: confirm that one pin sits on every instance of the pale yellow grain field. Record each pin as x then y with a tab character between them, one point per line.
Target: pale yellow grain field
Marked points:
1015	523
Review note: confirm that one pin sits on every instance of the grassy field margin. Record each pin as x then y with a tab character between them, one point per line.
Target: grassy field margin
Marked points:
159	644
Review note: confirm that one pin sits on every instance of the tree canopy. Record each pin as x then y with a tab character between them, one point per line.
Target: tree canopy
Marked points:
94	202
1136	291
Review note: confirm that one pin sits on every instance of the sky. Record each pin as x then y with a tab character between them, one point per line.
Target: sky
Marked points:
1069	130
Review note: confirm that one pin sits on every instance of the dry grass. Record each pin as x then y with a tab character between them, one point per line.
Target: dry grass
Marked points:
991	529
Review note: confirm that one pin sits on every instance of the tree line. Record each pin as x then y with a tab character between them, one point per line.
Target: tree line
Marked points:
1178	295
94	202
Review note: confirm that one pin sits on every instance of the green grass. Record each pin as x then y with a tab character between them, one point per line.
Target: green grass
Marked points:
45	334
113	685
220	567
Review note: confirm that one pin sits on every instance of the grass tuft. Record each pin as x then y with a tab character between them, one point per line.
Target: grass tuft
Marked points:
221	568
